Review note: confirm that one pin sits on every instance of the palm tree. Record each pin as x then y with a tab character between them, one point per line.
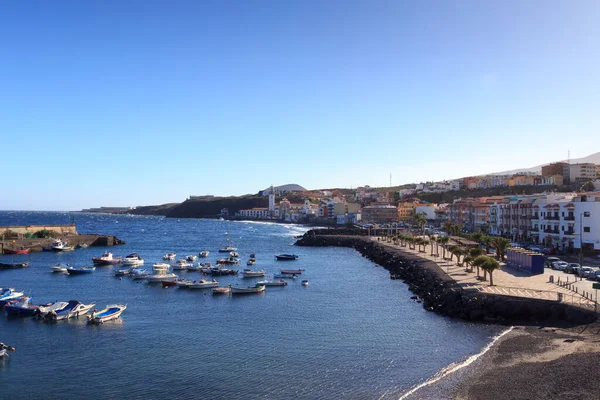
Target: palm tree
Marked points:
474	253
478	262
477	236
459	251
468	260
487	242
500	244
425	243
451	250
448	227
410	240
420	221
490	265
431	240
444	242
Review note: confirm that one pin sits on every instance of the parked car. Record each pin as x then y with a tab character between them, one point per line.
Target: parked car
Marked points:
572	268
537	249
549	251
585	271
560	265
550	260
597	275
592	275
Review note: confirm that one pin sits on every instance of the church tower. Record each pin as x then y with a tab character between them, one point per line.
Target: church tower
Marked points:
271	201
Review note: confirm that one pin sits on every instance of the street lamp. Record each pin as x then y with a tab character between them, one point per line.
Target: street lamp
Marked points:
583	214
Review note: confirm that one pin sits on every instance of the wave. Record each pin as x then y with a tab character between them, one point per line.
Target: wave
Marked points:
456	366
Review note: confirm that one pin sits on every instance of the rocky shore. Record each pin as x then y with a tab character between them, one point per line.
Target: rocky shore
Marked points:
439	293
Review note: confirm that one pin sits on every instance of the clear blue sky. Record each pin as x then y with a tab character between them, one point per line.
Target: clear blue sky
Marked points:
147	102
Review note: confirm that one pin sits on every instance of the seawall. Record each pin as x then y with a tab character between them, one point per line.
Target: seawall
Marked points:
66	229
37	245
442	295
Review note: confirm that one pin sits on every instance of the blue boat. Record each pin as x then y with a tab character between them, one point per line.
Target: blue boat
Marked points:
9	294
21	307
73	309
80	271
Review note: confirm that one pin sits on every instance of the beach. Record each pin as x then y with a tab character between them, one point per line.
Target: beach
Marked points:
527	363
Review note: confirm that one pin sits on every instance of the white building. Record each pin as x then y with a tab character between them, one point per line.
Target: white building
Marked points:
428	210
582	172
254	213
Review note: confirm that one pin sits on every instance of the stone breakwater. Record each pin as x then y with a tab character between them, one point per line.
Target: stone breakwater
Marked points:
441	294
37	245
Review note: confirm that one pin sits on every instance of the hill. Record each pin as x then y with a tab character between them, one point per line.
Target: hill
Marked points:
290	187
592	158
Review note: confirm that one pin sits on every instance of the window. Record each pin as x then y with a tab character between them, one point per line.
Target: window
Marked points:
586	228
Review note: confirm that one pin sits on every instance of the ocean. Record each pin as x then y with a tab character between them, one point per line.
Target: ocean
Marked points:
352	333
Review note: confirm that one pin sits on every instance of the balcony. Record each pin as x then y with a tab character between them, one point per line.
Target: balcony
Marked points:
569	233
569	218
554	231
535	217
552	217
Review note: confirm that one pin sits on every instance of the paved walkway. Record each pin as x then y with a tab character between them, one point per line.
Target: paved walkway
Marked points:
507	280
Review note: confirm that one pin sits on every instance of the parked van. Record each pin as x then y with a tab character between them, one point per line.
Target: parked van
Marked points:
550	260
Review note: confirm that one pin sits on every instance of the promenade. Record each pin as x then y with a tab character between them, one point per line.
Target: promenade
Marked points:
508	280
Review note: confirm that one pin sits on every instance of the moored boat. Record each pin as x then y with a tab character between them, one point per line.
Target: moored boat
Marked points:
286	257
203	284
155	278
227	249
248	273
223	271
14	265
111	312
248	290
221	290
60	246
285	276
42	311
122	272
292	271
9	294
204	253
234	254
161	267
182	265
229	261
133	259
168	283
73	309
106	259
22	250
4	349
304	282
183	283
280	282
169	256
251	262
60	267
21	307
191	258
80	271
195	268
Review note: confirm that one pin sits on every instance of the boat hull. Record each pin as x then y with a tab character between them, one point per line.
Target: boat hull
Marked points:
20	251
14	266
248	290
108	314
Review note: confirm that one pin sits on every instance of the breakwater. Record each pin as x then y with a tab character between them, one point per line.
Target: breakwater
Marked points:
37	245
441	294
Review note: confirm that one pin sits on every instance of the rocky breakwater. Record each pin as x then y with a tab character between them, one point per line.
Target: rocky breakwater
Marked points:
37	245
441	294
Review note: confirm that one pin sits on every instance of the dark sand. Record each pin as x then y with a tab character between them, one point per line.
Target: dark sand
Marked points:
528	363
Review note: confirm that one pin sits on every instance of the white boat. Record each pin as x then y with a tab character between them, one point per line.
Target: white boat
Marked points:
247	273
205	267
59	245
182	265
305	283
204	253
106	259
133	259
250	289
195	268
71	310
158	267
59	267
9	294
280	282
155	278
202	284
251	262
221	290
44	310
184	283
227	249
111	312
234	254
191	258
4	349
169	256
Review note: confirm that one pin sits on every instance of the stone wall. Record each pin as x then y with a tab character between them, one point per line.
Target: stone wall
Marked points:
440	293
69	229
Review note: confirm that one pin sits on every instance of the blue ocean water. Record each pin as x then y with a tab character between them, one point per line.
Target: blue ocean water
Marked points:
352	333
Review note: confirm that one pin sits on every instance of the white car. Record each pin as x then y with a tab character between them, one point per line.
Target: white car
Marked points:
584	272
560	265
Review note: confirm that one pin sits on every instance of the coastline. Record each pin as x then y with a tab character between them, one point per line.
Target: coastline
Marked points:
528	363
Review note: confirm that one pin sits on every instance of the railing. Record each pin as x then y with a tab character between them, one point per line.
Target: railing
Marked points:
552	218
569	218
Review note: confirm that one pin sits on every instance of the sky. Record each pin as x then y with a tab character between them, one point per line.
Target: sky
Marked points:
126	103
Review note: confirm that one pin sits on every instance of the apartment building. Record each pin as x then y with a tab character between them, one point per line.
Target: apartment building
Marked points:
582	172
379	213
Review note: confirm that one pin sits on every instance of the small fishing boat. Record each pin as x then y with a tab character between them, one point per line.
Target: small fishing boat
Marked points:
111	312
248	273
204	253
60	246
155	278
22	250
169	256
227	249
21	307
137	272
133	259
191	258
229	261
280	282
43	311
205	267
184	283
82	246
248	290
4	349
234	254
106	259
168	283
122	272
80	271
304	282
251	262
73	309
203	284
60	267
253	256
140	277
9	294
195	268
292	271
221	290
286	257
161	267
14	266
223	271
285	276
182	265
